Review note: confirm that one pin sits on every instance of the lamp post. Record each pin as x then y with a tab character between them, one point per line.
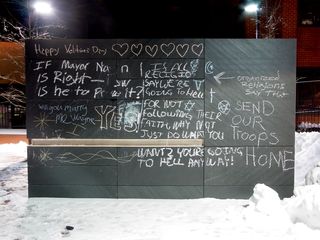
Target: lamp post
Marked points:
35	9
253	8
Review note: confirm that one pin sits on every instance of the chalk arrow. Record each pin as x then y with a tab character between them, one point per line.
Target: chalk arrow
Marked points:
219	77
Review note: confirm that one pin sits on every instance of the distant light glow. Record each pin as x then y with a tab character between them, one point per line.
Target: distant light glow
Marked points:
44	8
251	8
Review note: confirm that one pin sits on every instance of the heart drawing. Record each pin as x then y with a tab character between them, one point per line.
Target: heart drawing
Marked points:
121	49
197	49
151	50
167	49
182	49
136	49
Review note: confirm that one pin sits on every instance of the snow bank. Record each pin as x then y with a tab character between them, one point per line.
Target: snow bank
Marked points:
265	199
307	148
266	206
304	206
12	153
17	149
313	177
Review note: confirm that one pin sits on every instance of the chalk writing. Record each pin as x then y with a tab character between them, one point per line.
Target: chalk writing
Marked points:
39	50
97	80
223	156
235	95
268	86
110	48
282	159
146	118
167	157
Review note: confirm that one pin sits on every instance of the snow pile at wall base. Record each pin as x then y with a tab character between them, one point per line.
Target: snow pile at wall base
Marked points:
313	177
304	206
266	205
307	155
265	200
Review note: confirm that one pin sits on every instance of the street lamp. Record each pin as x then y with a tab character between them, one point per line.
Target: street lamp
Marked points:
37	8
253	8
43	8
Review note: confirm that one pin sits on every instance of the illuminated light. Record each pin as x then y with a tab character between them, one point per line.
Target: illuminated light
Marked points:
44	8
251	8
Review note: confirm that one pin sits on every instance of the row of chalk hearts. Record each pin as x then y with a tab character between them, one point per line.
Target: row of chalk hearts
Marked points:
166	48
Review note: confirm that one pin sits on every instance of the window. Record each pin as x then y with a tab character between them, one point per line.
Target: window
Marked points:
309	13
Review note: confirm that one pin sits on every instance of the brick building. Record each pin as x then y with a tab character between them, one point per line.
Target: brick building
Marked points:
298	19
308	62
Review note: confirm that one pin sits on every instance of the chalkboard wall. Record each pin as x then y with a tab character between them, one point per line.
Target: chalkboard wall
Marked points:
238	96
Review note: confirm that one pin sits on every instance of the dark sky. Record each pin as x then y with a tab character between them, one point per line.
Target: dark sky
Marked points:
141	18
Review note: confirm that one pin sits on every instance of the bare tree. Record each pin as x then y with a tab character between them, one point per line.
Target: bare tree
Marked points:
17	33
271	21
13	92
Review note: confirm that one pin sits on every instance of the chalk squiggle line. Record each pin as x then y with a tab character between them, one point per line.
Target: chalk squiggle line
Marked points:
84	158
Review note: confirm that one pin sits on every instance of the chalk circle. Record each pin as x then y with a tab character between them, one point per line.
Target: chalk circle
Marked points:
224	107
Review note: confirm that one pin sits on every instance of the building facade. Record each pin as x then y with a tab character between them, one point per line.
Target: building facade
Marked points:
299	19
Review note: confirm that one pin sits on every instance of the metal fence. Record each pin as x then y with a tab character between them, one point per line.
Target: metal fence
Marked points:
5	116
308	120
308	106
12	116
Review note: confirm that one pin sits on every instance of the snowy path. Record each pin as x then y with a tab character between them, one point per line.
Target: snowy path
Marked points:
140	219
143	220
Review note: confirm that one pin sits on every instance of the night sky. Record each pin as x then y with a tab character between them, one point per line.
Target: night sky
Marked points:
139	18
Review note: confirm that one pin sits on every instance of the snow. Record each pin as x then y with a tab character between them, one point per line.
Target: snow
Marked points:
308	125
307	155
313	176
263	216
265	200
304	206
4	131
12	153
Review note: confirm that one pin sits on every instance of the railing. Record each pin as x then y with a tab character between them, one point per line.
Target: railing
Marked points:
308	120
308	106
12	116
5	116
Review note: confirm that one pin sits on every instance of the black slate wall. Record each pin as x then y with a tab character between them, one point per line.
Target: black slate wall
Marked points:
238	96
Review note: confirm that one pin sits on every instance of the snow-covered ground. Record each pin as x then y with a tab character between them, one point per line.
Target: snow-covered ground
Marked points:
263	216
307	155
